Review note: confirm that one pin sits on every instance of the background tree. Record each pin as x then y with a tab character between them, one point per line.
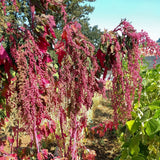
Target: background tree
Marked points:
79	10
158	41
93	33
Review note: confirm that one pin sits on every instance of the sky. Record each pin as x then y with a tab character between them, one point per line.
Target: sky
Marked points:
143	14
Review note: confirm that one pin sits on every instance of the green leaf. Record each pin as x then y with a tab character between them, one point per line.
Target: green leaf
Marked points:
152	87
157	102
157	114
138	157
55	66
136	105
132	126
13	73
117	158
134	145
153	107
39	28
124	153
158	66
134	114
146	115
90	64
153	126
56	75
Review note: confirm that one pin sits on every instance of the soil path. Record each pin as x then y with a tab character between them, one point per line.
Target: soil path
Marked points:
107	147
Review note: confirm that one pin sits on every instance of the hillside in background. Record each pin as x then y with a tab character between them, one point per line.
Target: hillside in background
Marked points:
150	61
158	41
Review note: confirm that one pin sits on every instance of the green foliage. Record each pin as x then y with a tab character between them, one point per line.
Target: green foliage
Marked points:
78	9
151	86
2	112
141	135
93	33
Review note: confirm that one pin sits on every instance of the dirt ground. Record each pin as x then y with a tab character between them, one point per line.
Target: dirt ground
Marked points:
107	147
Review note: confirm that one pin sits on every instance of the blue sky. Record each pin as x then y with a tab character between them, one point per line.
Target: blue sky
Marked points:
143	14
